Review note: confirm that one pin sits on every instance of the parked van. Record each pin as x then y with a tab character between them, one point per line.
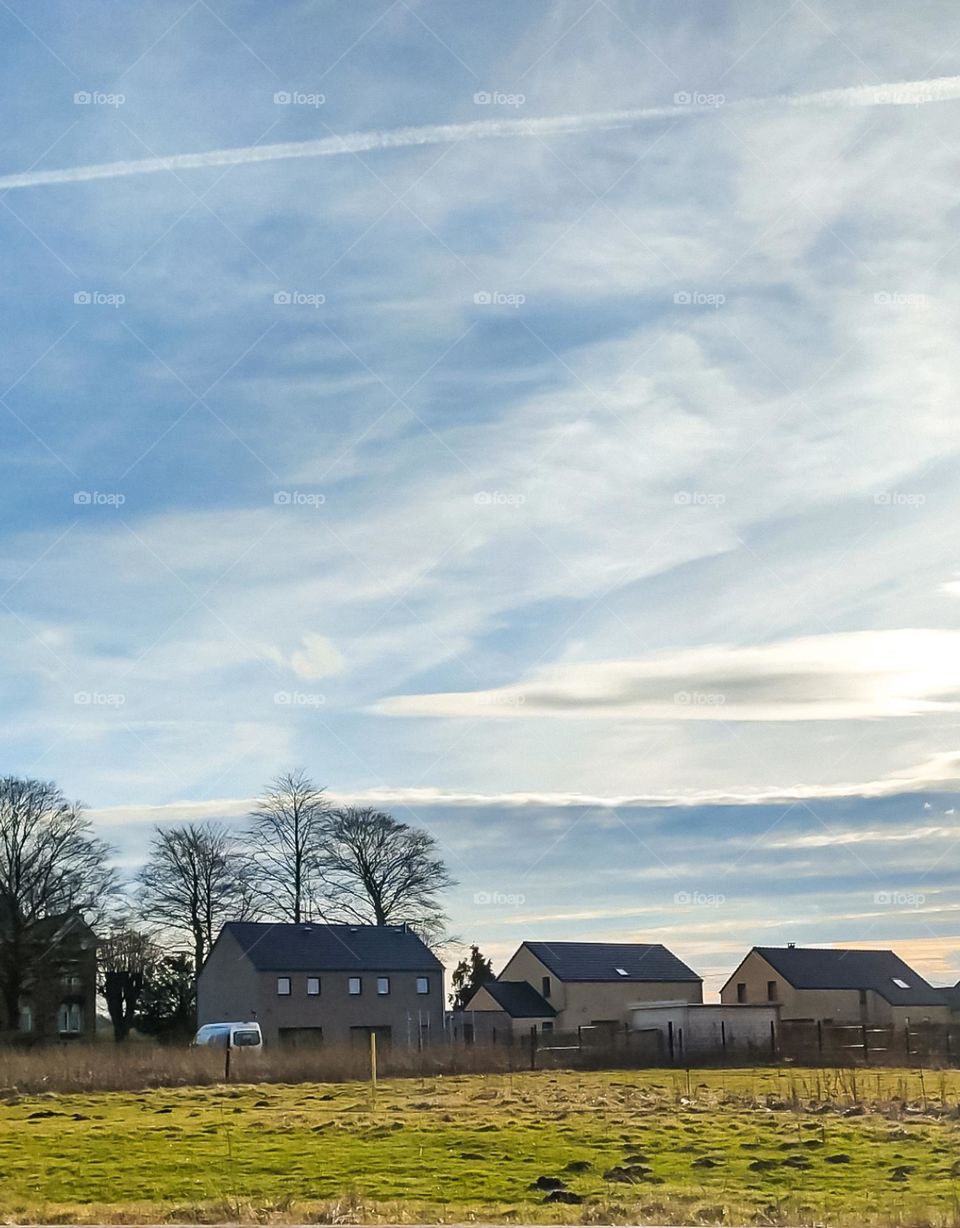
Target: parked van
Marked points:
245	1036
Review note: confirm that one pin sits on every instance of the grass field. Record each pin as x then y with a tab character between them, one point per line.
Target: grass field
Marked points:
741	1147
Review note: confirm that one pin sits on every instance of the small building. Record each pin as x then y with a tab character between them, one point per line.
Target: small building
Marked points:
330	984
575	985
709	1030
500	1011
835	985
59	996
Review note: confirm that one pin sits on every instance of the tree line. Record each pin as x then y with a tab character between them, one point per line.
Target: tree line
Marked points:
298	858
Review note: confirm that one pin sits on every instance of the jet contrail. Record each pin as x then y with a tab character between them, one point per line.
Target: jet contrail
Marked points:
685	106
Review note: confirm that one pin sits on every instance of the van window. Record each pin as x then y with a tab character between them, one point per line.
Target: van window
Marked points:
245	1037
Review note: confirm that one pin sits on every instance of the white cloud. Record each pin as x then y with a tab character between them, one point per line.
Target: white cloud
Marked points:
318	658
848	676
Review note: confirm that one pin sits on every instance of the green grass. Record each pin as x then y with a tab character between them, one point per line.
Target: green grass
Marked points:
473	1146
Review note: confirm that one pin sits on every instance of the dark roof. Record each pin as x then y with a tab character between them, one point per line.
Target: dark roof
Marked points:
518	999
950	995
313	947
836	968
601	961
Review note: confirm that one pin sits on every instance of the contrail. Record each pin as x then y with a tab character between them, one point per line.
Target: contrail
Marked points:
903	93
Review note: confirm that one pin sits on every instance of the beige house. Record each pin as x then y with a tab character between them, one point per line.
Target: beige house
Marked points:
563	986
835	986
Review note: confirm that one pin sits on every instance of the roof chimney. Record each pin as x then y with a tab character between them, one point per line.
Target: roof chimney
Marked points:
791	946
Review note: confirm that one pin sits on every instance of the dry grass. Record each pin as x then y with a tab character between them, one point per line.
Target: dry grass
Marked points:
138	1066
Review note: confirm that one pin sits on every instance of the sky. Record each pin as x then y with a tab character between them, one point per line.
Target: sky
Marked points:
537	418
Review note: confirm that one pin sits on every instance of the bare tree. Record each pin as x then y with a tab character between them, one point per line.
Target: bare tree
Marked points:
196	879
50	864
379	871
127	959
286	832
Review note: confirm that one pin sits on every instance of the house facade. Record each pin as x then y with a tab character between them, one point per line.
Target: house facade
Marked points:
574	985
835	986
58	1001
324	984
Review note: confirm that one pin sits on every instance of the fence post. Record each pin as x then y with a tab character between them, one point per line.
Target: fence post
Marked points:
373	1064
670	1039
773	1041
579	1037
723	1038
226	1062
906	1038
533	1047
863	1038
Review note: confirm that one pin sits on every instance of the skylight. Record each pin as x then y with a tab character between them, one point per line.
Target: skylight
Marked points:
623	972
899	983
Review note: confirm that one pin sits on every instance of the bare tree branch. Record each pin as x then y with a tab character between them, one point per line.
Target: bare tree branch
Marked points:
286	832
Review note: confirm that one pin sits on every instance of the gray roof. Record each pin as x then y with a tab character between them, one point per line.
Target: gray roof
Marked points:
836	968
611	961
519	999
314	947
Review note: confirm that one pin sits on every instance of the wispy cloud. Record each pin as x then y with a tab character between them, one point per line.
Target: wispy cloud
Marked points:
902	93
846	676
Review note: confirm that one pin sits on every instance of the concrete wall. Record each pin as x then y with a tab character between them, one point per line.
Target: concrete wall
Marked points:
838	1005
229	987
711	1029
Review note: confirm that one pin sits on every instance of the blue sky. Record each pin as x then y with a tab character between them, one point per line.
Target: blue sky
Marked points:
585	494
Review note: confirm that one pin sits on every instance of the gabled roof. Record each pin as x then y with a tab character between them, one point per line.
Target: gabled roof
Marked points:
838	968
611	961
313	947
519	999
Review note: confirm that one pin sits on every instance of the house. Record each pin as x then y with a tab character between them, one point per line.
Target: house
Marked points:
59	996
313	983
834	985
564	986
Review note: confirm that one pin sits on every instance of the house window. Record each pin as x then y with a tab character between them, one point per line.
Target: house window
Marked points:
313	986
547	1025
741	991
354	985
863	997
545	986
70	1019
771	991
283	986
383	985
26	1018
423	984
71	983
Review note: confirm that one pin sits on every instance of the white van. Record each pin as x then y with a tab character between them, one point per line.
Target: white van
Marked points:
245	1036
